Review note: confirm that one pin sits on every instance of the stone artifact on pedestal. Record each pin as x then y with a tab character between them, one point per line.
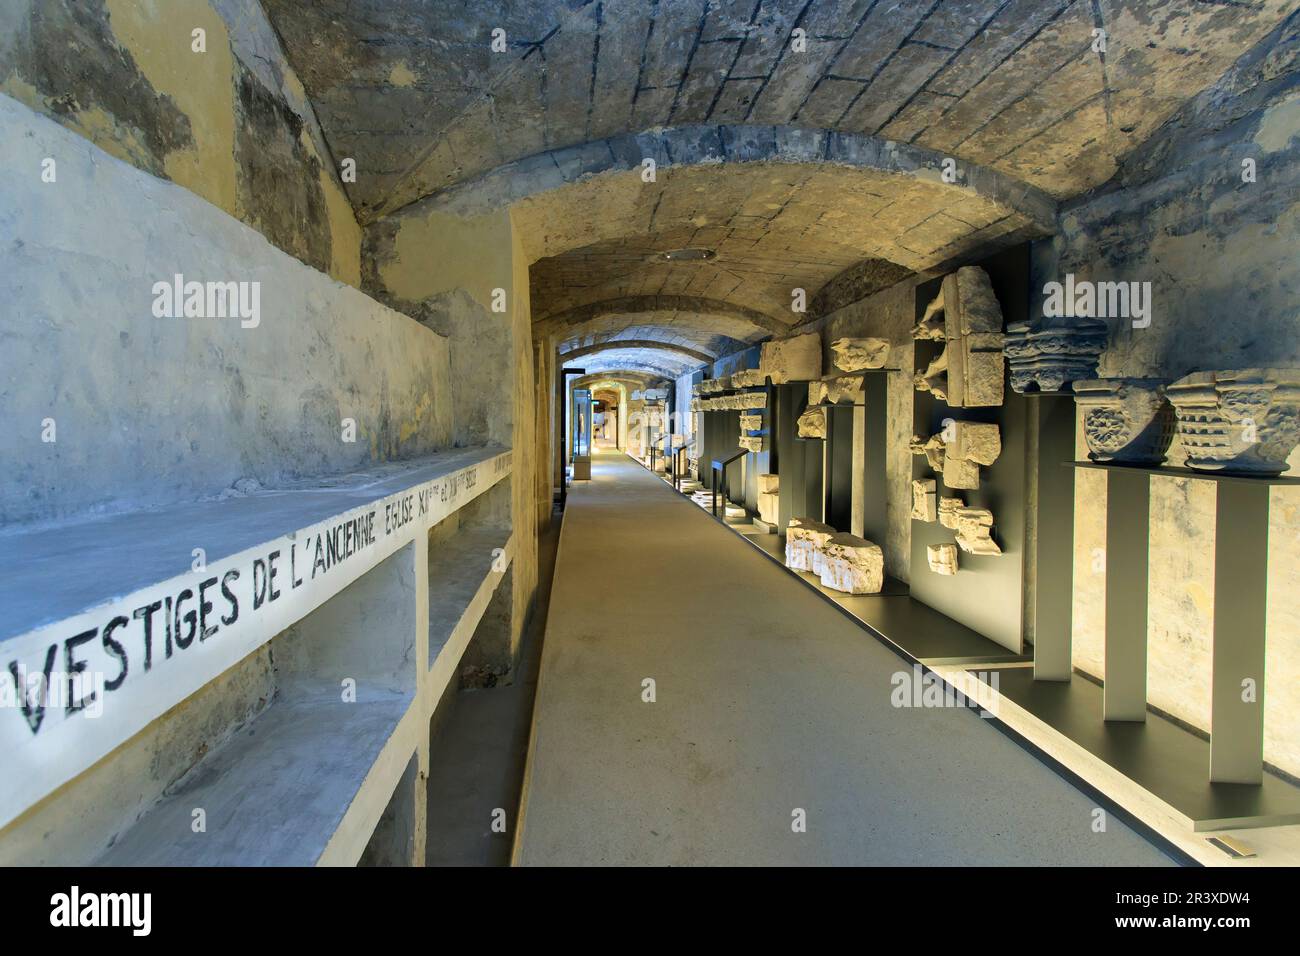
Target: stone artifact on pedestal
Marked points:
948	508
932	448
751	422
751	442
768	498
974	529
968	374
804	539
979	442
1243	421
769	484
747	378
960	473
835	388
852	565
812	423
798	358
1048	358
935	377
854	355
924	499
1125	419
942	558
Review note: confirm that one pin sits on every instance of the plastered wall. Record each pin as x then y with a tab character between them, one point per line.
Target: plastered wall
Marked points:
466	277
231	122
148	409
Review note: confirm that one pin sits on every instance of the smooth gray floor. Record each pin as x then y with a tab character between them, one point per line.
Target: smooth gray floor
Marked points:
768	701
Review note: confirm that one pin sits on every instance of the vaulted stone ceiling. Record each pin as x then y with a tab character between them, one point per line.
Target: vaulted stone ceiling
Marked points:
413	92
812	166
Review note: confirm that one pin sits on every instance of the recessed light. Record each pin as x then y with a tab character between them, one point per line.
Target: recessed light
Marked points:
687	255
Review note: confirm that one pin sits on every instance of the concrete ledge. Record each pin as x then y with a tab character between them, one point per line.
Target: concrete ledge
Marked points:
100	600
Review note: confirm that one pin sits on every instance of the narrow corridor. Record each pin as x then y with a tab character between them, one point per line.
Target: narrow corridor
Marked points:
767	701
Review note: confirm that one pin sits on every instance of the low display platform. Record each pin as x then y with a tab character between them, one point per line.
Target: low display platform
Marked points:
1157	756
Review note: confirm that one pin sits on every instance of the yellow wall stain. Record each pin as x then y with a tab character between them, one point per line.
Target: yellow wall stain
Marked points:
401	74
440	252
158	34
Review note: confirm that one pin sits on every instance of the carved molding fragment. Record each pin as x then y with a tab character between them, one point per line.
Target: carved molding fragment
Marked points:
854	355
1125	419
942	558
924	499
1243	421
1048	358
974	531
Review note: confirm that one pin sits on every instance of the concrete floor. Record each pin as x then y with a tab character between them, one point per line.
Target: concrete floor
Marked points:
768	701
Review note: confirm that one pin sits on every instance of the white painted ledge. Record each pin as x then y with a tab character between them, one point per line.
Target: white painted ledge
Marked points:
69	592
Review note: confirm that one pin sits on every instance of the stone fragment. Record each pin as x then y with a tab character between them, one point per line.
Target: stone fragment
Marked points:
1241	421
942	558
932	449
835	388
948	508
748	378
1125	419
750	400
812	423
769	484
751	442
768	504
960	473
979	442
974	530
751	422
969	373
924	503
931	326
793	359
935	377
853	355
852	565
1047	358
804	539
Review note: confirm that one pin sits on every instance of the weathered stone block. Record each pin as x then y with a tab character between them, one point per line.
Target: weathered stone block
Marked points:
1048	359
852	565
960	473
924	500
1244	420
769	484
748	378
974	529
751	442
751	422
812	423
969	372
804	539
942	558
853	355
768	504
932	448
1125	419
797	358
979	442
948	508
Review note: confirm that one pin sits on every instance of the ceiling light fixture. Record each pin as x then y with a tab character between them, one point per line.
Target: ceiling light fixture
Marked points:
687	255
